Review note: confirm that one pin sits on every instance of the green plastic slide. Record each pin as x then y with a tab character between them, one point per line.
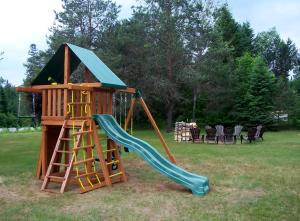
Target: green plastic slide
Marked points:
197	184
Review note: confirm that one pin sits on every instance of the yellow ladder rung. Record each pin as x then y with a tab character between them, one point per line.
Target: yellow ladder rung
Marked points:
112	162
83	147
116	174
83	161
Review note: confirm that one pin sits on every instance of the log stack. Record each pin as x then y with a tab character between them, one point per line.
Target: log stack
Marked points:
182	131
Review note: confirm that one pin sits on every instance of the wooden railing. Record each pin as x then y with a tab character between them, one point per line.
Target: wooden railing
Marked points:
56	97
102	102
53	103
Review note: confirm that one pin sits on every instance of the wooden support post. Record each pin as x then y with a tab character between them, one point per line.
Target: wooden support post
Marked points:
67	148
59	96
163	142
39	163
129	115
54	102
65	102
109	103
88	153
44	102
67	65
93	104
101	156
44	150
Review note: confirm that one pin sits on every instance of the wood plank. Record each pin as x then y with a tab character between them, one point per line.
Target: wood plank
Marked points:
65	102
59	97
28	89
89	151
49	103
66	65
81	86
52	122
158	133
44	150
39	162
52	118
54	102
44	102
93	104
109	103
99	110
104	103
129	90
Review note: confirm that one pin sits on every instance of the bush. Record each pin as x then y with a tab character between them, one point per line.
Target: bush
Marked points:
8	120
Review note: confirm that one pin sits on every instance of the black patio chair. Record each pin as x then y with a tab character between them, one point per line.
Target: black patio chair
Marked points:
229	136
250	135
195	132
211	135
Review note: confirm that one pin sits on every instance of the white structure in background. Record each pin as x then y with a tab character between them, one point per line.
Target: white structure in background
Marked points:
280	116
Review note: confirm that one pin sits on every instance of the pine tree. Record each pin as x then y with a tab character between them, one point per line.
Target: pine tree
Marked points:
3	101
259	96
33	65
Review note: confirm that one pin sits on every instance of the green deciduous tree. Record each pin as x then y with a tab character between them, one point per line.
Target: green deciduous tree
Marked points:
281	56
83	22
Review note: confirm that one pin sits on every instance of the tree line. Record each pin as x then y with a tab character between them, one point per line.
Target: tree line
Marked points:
191	59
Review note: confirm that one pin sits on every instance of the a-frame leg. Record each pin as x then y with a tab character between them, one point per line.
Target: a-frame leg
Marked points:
99	150
152	121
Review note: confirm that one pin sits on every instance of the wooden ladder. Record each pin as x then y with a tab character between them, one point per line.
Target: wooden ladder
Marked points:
73	162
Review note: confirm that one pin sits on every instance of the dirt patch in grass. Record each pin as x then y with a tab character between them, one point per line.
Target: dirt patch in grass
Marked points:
236	196
12	191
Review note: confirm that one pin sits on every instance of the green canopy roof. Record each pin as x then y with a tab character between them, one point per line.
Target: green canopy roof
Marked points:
55	68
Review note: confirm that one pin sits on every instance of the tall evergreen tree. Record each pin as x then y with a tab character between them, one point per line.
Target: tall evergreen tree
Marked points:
259	96
33	65
3	101
238	36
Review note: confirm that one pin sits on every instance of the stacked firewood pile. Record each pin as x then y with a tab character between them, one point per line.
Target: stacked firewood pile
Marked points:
182	131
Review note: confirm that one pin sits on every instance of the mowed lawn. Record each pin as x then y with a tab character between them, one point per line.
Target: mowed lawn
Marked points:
259	181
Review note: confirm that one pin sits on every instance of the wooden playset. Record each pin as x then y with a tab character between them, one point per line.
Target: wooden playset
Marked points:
71	150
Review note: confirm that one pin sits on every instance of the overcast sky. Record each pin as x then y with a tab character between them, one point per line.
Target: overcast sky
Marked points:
26	22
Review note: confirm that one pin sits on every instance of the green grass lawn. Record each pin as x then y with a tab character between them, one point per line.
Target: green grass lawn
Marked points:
259	181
